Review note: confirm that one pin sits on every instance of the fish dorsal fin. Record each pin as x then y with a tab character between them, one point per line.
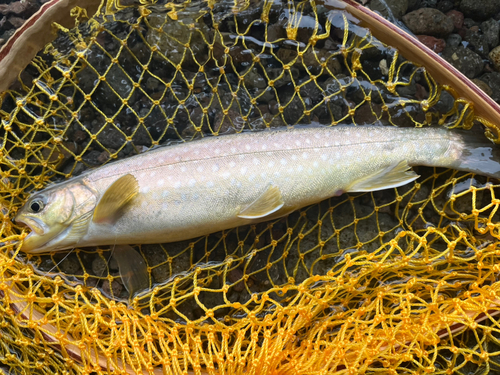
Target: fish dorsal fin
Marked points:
115	198
393	176
133	269
266	204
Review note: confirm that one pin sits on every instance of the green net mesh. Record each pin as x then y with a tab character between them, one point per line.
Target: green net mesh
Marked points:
402	281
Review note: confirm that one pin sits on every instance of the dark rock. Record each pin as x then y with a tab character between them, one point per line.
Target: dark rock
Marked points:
428	21
445	5
16	22
493	80
453	40
435	44
477	42
457	18
92	158
483	86
491	31
480	9
19	8
99	267
390	9
465	60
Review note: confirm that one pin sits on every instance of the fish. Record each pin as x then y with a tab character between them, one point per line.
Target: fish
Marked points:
196	188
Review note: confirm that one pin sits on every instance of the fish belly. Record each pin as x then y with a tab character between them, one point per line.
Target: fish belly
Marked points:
194	189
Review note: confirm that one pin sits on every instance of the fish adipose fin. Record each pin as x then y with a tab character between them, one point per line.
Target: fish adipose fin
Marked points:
115	198
133	269
393	176
269	202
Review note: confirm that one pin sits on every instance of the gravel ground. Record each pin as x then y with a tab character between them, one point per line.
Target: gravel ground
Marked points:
464	32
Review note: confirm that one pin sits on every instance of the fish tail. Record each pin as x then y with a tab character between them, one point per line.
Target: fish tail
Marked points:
478	154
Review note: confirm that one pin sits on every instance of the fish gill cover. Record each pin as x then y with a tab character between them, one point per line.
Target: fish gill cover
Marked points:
397	281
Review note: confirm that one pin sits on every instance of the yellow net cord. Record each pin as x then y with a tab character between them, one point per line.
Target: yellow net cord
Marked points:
402	281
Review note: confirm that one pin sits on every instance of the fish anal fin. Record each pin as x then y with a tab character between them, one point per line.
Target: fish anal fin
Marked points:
393	176
115	199
266	204
133	269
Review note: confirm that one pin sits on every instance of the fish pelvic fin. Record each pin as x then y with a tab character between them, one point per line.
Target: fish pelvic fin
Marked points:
115	199
393	176
266	204
133	269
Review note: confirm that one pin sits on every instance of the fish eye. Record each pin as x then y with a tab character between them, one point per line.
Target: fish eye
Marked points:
36	206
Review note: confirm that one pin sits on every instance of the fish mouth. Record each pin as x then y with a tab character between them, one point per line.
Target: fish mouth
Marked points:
34	224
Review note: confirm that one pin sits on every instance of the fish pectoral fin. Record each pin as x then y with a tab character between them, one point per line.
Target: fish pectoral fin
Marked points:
133	269
269	202
115	199
393	176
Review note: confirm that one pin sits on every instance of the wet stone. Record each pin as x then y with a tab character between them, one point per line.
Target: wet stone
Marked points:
70	266
483	86
465	60
390	9
428	21
99	267
491	31
477	43
480	9
453	40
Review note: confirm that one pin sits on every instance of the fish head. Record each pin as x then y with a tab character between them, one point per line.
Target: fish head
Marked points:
58	217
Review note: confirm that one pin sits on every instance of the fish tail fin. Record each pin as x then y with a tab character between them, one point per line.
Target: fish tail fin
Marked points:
478	154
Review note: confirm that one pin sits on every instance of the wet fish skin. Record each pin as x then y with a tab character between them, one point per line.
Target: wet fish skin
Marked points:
192	189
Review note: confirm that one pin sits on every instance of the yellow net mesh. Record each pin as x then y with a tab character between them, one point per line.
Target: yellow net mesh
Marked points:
400	281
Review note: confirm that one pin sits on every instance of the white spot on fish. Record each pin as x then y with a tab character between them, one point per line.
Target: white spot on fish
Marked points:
215	167
177	184
256	161
210	184
264	146
161	182
226	175
183	169
232	164
283	161
247	147
300	168
217	151
308	141
315	164
164	206
324	157
144	189
165	194
243	170
200	168
294	157
297	143
192	182
305	155
152	174
270	164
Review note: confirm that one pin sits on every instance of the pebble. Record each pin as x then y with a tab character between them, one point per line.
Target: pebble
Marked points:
477	42
390	8
457	18
483	86
491	31
480	9
465	60
453	40
493	81
495	57
435	44
429	21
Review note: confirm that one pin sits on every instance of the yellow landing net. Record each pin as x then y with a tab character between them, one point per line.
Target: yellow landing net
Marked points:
403	281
